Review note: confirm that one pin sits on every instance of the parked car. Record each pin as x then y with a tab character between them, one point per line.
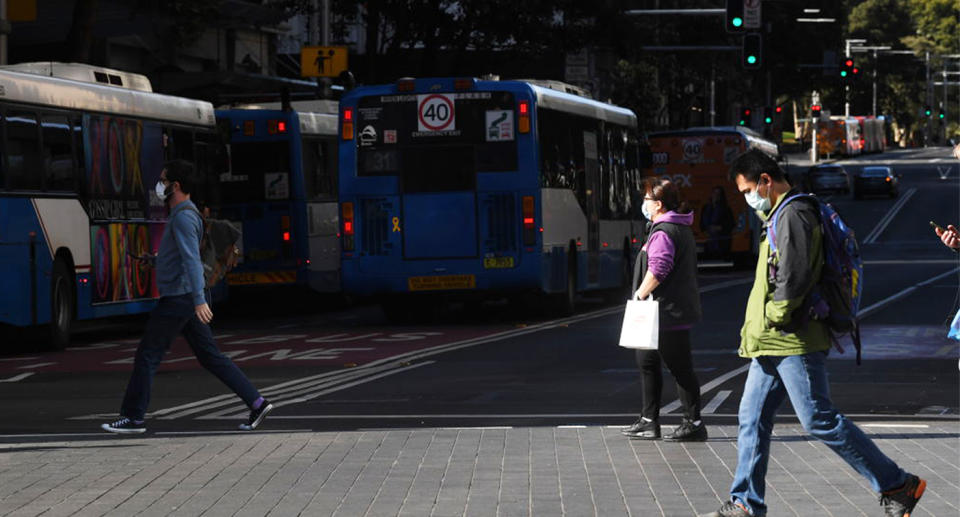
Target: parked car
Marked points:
876	180
822	179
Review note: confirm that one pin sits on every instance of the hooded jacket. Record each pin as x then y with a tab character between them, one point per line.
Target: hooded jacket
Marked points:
670	253
775	323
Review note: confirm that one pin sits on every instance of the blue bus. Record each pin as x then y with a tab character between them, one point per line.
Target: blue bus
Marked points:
469	187
82	148
279	183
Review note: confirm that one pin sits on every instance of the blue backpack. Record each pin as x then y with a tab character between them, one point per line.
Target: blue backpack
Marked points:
836	298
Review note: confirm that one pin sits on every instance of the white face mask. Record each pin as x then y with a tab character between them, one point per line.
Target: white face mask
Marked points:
756	202
161	190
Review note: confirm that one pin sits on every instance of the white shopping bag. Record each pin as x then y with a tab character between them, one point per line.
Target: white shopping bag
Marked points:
641	325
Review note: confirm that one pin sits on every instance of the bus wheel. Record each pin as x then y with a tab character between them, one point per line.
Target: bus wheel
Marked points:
62	303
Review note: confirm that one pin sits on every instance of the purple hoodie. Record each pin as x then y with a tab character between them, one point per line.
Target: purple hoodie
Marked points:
659	247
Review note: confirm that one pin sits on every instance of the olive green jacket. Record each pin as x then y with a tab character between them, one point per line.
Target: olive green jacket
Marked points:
775	323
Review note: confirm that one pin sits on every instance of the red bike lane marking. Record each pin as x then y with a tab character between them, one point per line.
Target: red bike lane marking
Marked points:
330	348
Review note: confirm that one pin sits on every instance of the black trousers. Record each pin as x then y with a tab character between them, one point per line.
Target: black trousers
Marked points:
674	353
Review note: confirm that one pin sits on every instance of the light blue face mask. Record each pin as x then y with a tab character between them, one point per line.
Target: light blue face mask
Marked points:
646	213
761	204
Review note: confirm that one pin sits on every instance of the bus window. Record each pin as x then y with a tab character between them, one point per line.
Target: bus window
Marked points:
251	163
319	169
438	169
177	144
482	139
58	153
76	127
23	152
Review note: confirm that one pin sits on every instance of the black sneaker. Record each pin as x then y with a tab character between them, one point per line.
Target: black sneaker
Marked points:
900	502
687	431
642	430
257	416
124	426
729	509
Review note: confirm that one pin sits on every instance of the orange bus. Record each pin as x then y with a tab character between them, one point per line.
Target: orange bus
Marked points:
698	160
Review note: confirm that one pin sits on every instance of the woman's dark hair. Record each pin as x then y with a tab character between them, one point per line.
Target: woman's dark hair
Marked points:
665	191
753	163
183	172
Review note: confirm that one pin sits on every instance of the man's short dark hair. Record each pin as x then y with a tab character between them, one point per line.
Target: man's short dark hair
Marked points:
753	163
183	172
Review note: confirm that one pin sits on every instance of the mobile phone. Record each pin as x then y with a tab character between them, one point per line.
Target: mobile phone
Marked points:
936	226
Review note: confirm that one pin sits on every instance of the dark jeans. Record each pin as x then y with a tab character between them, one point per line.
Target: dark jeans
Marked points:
674	352
175	315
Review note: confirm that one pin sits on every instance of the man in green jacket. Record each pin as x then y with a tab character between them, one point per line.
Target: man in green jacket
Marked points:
788	348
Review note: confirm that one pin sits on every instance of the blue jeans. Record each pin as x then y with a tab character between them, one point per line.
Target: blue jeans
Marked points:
804	379
174	315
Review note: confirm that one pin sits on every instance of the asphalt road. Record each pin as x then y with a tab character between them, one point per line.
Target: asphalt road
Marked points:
329	366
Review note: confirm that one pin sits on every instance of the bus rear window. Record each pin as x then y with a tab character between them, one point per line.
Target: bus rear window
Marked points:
411	135
260	171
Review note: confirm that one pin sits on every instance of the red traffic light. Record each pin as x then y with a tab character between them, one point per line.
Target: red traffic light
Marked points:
815	108
746	112
856	71
848	62
779	109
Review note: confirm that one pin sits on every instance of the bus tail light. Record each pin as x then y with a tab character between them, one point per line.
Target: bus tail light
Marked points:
249	128
286	240
529	230
347	125
282	126
523	124
346	215
463	84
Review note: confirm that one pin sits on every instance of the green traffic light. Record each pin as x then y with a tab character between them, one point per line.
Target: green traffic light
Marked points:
752	59
768	120
927	113
743	122
843	73
942	116
736	21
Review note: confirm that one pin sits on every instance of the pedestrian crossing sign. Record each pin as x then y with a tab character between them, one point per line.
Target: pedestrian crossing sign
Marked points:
322	61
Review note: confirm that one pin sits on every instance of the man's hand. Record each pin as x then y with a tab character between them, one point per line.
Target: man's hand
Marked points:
950	237
204	314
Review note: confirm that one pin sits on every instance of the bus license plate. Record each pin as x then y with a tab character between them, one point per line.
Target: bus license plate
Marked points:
497	262
438	283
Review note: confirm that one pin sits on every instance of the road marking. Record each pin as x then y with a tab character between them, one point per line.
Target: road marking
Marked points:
571	427
341	376
714	403
884	424
886	301
882	224
944	171
705	388
38	365
889	262
31	358
16	378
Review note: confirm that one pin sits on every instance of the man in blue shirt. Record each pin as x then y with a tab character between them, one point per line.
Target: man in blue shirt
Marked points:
182	309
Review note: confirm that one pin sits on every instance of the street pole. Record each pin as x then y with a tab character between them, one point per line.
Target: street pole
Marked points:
325	27
713	95
814	155
929	128
4	29
876	65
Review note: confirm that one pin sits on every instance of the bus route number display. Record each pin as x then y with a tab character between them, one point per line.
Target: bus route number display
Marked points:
435	113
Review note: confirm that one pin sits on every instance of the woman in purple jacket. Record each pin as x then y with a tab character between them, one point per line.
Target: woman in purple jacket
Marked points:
666	269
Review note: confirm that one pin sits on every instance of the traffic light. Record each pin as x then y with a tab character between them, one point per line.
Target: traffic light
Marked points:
752	47
815	111
942	115
927	111
745	116
734	20
767	115
847	70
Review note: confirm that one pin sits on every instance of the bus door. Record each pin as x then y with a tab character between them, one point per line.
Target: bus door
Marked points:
438	202
320	184
591	166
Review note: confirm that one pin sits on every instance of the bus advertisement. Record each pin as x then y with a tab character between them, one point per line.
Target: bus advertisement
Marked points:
698	161
279	183
473	188
77	200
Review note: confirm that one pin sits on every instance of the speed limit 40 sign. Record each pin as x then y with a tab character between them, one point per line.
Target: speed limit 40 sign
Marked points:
435	112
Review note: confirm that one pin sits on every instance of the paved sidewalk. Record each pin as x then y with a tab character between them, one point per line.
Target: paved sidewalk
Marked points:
548	471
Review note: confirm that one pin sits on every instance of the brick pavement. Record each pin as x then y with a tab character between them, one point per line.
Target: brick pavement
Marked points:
548	471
